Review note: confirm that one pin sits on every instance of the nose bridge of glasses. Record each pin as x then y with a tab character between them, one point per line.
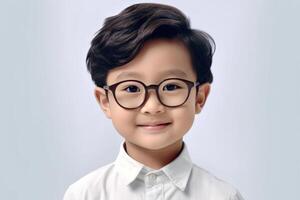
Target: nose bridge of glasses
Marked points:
151	87
155	88
151	105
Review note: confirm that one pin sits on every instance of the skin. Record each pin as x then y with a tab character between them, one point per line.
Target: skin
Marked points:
154	149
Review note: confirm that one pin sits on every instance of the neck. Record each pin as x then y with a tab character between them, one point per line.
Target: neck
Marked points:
154	159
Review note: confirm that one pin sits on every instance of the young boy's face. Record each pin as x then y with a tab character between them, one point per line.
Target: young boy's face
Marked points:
154	63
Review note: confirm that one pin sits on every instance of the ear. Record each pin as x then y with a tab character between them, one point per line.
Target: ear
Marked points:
103	101
203	92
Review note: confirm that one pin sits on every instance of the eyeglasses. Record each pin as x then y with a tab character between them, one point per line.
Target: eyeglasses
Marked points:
132	94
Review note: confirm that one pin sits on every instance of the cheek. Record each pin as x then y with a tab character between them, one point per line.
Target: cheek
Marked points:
123	120
185	115
185	118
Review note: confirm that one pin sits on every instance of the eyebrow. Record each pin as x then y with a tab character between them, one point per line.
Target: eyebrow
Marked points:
174	72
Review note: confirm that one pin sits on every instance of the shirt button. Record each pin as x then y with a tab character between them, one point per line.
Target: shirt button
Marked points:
152	178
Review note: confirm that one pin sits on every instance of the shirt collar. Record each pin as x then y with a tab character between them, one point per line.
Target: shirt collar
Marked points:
178	171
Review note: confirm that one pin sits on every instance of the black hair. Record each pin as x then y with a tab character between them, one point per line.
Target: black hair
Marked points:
123	35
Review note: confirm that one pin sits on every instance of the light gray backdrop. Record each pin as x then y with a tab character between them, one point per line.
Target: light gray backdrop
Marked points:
53	132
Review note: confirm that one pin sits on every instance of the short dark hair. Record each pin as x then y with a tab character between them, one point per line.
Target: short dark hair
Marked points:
123	35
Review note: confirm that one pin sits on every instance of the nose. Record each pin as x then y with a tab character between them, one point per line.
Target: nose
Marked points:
152	104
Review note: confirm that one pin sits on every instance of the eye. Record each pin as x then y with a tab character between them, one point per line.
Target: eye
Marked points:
132	88
171	87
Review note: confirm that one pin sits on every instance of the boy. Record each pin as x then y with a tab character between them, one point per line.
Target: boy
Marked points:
152	75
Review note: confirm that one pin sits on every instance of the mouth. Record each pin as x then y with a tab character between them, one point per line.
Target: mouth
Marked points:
155	126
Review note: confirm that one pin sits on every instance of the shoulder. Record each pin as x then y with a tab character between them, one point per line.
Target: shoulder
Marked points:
214	186
89	184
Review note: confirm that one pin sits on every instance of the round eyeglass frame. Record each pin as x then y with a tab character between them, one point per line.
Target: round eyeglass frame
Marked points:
113	87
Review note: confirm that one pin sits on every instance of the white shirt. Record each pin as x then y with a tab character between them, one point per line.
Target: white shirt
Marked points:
127	179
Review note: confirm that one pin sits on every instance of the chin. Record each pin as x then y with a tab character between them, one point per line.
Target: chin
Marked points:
156	147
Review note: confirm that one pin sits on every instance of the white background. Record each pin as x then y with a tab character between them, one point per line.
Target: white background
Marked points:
53	131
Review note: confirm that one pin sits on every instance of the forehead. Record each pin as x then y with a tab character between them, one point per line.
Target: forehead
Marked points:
158	59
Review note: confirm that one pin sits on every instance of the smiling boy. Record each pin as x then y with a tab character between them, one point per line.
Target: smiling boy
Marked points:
152	75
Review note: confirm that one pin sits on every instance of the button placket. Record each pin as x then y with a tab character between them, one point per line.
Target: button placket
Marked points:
151	180
154	187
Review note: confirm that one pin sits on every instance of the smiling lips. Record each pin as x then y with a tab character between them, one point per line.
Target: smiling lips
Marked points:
155	126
